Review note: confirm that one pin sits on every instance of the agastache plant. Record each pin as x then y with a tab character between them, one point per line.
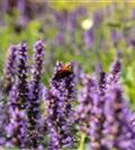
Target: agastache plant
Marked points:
17	127
103	114
97	122
3	122
79	73
17	103
59	107
118	130
98	116
22	67
10	68
84	109
114	73
88	37
35	96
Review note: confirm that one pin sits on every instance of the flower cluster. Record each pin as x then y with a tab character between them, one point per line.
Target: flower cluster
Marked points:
22	75
35	96
118	131
17	103
10	67
59	107
86	103
23	114
102	114
17	127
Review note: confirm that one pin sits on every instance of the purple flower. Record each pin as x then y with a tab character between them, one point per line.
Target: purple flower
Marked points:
118	130
5	6
102	83
72	21
17	128
21	6
59	107
133	13
81	11
96	123
35	96
60	38
61	21
80	76
132	42
84	110
3	123
22	75
114	74
98	18
115	37
88	36
10	68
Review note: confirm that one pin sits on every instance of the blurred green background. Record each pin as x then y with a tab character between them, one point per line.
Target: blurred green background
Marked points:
91	33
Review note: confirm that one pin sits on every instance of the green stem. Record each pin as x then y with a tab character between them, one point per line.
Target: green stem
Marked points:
82	142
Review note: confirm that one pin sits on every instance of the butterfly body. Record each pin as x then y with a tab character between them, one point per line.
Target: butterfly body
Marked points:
64	71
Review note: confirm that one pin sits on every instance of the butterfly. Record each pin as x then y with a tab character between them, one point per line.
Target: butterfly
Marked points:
64	71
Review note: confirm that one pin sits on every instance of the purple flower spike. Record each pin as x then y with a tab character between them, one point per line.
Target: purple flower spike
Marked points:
84	110
22	75
17	103
38	60
10	68
72	21
97	121
80	76
115	37
3	122
88	36
98	18
34	114
102	83
17	127
59	107
118	131
114	74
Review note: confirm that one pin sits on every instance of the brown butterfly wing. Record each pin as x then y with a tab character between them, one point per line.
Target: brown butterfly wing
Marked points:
63	72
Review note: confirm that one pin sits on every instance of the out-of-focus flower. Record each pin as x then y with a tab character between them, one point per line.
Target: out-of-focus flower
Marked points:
132	42
133	13
5	6
21	6
88	37
115	37
72	20
61	20
87	24
80	76
59	107
81	10
60	38
35	97
98	18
